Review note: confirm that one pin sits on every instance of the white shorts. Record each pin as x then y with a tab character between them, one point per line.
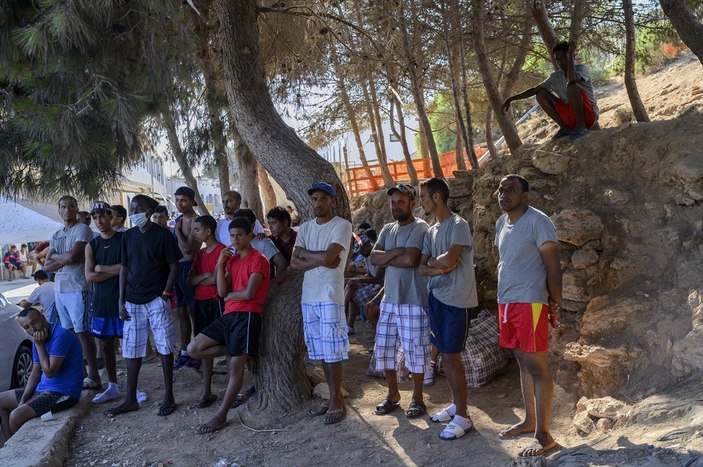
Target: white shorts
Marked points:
326	331
74	310
154	315
411	324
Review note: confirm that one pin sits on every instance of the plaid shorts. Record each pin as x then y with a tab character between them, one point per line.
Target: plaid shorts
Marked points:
364	293
409	323
326	332
154	315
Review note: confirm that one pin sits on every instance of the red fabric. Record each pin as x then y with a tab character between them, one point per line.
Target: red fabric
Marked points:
521	331
206	262
240	270
41	247
566	112
286	248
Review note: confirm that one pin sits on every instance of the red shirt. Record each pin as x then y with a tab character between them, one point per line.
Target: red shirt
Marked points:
205	262
240	270
286	248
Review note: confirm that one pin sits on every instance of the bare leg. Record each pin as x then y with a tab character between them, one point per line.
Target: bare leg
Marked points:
535	364
20	416
528	396
417	386
167	368
334	374
108	346
235	371
8	403
454	371
576	102
547	101
393	392
353	311
89	353
185	327
130	403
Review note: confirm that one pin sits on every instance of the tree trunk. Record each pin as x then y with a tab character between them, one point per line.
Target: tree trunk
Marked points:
383	157
276	146
577	15
686	24
373	127
455	12
281	381
490	145
353	122
544	26
425	127
266	188
506	124
172	134
636	103
248	176
396	103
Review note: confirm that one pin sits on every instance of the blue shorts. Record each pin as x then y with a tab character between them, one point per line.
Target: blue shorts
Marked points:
106	328
185	294
449	326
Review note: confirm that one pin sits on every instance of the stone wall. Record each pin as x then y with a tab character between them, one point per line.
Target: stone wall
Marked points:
627	206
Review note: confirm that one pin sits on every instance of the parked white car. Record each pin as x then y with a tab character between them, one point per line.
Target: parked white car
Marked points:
15	348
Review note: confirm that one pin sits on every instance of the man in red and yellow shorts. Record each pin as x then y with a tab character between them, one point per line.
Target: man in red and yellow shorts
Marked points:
529	292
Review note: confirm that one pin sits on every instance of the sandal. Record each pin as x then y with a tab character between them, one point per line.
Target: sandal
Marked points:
416	410
320	409
206	429
386	407
89	383
454	431
442	416
334	416
166	410
535	449
206	402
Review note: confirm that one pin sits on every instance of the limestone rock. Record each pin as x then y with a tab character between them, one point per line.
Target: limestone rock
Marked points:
602	369
581	259
578	226
315	375
604	424
550	162
323	391
574	286
583	423
688	352
616	197
602	316
605	407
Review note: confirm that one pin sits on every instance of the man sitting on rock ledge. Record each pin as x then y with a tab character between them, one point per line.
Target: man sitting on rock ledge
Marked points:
57	375
574	107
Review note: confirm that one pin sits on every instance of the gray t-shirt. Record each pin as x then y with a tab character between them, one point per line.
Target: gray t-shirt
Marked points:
266	247
404	286
371	270
522	275
558	81
458	287
43	295
71	278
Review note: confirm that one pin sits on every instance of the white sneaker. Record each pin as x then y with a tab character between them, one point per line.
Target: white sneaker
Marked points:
428	379
112	392
141	397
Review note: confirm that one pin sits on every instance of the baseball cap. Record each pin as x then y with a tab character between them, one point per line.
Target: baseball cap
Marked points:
322	186
186	191
405	189
100	206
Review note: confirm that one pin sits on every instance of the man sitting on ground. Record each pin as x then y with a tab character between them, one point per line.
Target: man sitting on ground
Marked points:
56	378
243	281
574	107
44	296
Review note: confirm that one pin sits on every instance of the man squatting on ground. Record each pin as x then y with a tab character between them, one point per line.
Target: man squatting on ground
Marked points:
56	378
529	293
448	262
243	280
321	250
574	107
66	257
208	304
185	294
102	270
404	303
149	268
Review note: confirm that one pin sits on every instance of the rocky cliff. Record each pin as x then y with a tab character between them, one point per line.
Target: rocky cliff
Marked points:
628	206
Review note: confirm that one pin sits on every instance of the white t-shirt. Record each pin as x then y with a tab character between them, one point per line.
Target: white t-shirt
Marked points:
323	284
222	231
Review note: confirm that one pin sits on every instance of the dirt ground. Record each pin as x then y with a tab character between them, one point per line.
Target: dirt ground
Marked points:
143	438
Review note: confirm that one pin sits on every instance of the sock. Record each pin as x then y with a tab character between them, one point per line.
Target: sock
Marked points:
465	423
113	387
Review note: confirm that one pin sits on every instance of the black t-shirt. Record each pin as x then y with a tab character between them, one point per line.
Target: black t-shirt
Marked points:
146	257
106	293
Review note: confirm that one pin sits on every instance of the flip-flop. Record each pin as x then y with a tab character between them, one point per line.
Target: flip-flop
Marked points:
453	431
539	450
207	402
206	429
386	407
166	410
442	416
118	410
416	410
334	416
578	134
320	409
511	433
89	383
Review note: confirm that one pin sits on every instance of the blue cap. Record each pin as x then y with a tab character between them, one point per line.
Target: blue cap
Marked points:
322	186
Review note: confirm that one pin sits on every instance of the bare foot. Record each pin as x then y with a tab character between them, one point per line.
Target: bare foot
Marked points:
517	430
214	424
